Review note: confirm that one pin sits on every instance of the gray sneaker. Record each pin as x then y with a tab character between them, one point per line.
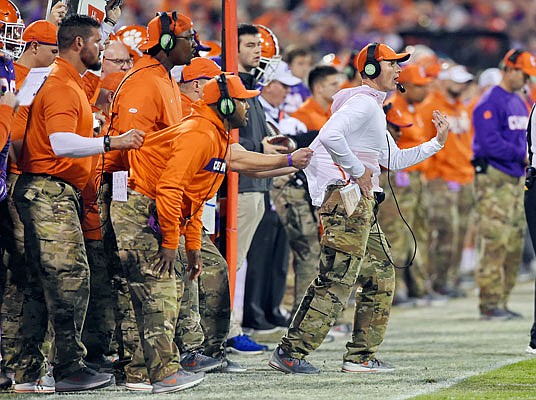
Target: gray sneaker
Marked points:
45	384
194	361
232	366
290	365
84	379
373	365
180	380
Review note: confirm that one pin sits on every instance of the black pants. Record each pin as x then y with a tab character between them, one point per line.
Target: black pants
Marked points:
530	214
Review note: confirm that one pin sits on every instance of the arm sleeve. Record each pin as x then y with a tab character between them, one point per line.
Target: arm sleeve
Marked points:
6	119
333	137
394	158
180	172
68	144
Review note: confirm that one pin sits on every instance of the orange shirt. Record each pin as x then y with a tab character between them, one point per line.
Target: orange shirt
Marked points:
415	134
312	114
91	225
191	177
60	106
186	104
453	162
148	99
6	119
19	124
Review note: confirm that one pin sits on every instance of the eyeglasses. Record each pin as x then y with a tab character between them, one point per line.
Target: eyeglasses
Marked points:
119	62
190	38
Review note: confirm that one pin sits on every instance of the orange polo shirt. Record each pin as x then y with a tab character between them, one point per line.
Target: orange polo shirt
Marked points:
60	106
312	114
186	104
415	134
6	120
19	123
148	98
453	162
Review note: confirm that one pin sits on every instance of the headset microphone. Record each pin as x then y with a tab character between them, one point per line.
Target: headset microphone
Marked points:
400	88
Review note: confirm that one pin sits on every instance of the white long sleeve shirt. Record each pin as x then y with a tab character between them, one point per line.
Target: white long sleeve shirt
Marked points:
356	137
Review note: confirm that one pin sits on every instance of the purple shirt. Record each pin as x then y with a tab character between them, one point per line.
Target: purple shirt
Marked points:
500	120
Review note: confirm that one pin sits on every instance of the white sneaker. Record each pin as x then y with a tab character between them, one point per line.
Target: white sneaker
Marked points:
45	384
530	350
139	386
373	365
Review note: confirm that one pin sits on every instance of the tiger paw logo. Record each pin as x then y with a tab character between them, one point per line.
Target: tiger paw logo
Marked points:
132	38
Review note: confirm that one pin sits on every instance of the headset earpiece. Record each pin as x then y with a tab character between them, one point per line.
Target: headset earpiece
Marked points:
226	104
167	39
372	67
515	55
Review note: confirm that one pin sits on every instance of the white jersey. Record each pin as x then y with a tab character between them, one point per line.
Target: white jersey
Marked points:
356	137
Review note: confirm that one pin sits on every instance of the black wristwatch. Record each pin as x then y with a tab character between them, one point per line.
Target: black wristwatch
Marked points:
107	143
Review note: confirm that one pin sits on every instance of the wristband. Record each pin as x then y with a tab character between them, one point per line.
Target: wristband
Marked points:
107	143
289	159
110	21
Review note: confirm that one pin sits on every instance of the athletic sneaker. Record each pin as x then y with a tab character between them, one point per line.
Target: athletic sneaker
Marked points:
180	380
144	386
194	361
243	344
513	314
232	366
84	379
530	350
290	365
497	314
373	365
45	384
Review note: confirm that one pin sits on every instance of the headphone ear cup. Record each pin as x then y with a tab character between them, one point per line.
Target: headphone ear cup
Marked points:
167	41
227	106
370	70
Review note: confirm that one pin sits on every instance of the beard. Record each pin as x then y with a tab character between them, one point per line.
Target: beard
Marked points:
94	67
91	62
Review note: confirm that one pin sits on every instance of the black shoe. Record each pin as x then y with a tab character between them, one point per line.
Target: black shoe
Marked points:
514	315
497	314
84	379
100	363
290	365
194	361
5	382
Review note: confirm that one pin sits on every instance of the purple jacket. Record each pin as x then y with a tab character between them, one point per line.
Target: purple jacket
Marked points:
500	120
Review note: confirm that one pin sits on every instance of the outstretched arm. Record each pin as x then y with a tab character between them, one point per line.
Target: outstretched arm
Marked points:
244	161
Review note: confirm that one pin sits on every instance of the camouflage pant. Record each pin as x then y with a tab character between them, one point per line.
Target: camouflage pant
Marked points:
501	225
409	194
58	278
126	336
344	246
444	220
293	206
154	299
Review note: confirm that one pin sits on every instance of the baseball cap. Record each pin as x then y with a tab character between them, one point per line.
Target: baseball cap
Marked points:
41	31
396	118
382	53
456	73
523	60
154	28
112	80
415	74
211	91
490	77
282	74
200	68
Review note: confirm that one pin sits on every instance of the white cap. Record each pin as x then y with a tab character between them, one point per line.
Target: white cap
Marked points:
456	73
490	77
282	74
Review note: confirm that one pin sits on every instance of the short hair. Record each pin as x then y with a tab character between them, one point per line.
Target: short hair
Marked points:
73	26
319	73
246	29
293	51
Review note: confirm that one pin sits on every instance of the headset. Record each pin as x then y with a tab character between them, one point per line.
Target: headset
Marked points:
167	39
515	55
372	68
226	104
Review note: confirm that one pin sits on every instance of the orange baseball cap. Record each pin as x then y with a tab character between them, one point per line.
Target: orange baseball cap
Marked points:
200	68
382	53
41	31
235	87
396	118
112	80
415	74
178	24
522	60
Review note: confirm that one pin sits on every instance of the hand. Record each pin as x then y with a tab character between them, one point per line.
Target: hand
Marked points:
442	126
301	157
57	13
195	264
164	262
365	183
10	100
133	139
272	148
113	11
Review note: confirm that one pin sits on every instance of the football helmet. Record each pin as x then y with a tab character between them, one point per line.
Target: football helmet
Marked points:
270	56
11	29
132	36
